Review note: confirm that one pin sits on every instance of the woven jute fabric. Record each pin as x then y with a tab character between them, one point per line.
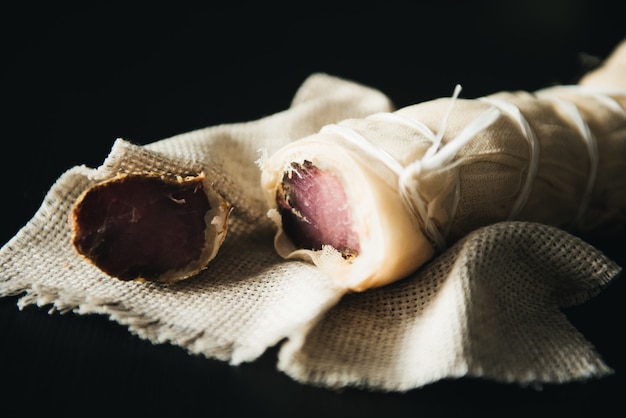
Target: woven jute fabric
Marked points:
489	306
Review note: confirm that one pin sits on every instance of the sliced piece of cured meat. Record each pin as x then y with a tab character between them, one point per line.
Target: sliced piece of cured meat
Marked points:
150	227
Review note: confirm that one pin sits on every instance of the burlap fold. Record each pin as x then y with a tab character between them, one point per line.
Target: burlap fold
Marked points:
489	306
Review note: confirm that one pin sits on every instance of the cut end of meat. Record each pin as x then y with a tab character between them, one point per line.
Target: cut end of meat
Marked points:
148	227
336	212
314	210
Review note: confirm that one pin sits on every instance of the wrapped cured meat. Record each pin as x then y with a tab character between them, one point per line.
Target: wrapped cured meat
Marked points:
371	200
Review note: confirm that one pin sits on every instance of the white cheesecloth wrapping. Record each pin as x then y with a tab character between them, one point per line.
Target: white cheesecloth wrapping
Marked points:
488	306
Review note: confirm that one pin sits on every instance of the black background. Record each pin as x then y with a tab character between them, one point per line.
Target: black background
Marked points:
75	78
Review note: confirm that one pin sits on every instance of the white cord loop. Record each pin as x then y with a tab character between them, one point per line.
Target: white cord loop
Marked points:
439	158
533	146
592	148
371	150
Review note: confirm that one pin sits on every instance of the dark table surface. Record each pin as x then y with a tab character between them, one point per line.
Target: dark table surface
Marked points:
74	79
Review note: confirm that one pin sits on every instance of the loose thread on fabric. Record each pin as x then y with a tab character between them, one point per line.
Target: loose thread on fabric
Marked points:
430	152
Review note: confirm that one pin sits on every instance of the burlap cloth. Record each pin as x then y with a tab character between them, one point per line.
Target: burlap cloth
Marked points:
489	306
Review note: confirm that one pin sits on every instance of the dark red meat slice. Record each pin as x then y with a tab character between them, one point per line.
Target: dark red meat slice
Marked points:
142	226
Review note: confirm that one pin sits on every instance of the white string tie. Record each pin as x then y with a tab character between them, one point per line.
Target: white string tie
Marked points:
592	148
601	94
373	151
410	122
533	143
438	158
442	156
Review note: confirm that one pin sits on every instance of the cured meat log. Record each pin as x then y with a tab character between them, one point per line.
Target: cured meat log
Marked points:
371	200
